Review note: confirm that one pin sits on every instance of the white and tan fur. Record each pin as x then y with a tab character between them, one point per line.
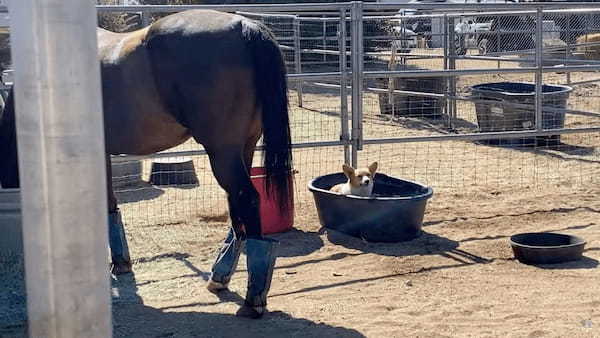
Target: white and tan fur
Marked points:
360	181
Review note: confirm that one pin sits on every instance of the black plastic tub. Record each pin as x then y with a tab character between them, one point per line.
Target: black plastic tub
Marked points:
504	115
546	247
393	214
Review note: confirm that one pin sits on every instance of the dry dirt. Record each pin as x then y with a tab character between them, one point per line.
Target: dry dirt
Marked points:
457	280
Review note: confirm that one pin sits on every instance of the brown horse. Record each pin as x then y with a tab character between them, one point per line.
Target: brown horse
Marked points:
216	77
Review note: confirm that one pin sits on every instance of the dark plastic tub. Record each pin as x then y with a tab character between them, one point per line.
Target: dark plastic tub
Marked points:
505	116
393	214
546	247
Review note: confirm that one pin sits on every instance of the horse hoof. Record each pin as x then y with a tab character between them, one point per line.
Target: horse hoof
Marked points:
216	287
120	268
252	312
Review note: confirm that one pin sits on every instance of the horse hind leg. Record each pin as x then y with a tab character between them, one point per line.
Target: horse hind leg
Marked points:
227	259
231	172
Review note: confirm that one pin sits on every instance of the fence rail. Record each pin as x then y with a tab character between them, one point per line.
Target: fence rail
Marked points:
347	28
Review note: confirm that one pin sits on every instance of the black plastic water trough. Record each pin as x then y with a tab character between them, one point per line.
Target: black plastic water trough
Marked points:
393	214
499	112
546	247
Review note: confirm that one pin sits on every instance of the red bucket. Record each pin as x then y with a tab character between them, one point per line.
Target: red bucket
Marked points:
272	219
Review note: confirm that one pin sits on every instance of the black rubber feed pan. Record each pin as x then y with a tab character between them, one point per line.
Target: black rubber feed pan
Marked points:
393	214
546	248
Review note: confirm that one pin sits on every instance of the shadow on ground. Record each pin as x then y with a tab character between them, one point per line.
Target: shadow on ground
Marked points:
131	318
296	243
426	244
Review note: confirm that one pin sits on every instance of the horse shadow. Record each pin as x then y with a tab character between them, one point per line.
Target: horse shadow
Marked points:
132	318
559	150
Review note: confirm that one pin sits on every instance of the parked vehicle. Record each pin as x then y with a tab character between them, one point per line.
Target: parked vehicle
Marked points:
495	34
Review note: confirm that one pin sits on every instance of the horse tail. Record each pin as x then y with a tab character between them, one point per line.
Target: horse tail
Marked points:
9	161
272	94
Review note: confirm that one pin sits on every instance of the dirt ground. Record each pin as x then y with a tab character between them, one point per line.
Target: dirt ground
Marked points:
459	279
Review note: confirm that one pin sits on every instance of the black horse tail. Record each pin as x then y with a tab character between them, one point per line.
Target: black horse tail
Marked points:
9	161
272	93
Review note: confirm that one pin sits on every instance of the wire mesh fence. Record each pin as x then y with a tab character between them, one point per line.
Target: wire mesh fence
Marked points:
177	202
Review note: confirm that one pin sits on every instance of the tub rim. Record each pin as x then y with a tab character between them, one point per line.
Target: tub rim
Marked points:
478	88
514	241
425	195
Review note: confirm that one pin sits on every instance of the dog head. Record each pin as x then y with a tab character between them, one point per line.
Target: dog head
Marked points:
360	178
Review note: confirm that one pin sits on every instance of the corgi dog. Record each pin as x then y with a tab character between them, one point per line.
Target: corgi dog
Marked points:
360	181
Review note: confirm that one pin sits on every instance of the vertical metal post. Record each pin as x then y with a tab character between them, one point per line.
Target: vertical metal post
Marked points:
446	43
343	84
452	66
298	59
62	167
449	63
324	38
539	75
145	19
569	53
357	78
498	39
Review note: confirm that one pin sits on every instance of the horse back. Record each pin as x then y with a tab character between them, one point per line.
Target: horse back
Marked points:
133	107
204	69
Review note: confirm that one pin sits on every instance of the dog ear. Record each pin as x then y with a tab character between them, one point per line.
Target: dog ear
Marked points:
373	168
348	170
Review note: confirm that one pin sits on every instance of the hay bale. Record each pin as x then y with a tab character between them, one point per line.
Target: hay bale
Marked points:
589	46
555	51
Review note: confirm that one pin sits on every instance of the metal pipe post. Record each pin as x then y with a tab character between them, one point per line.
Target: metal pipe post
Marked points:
324	24
343	83
298	59
539	73
357	72
145	18
452	66
62	167
446	43
498	35
569	52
